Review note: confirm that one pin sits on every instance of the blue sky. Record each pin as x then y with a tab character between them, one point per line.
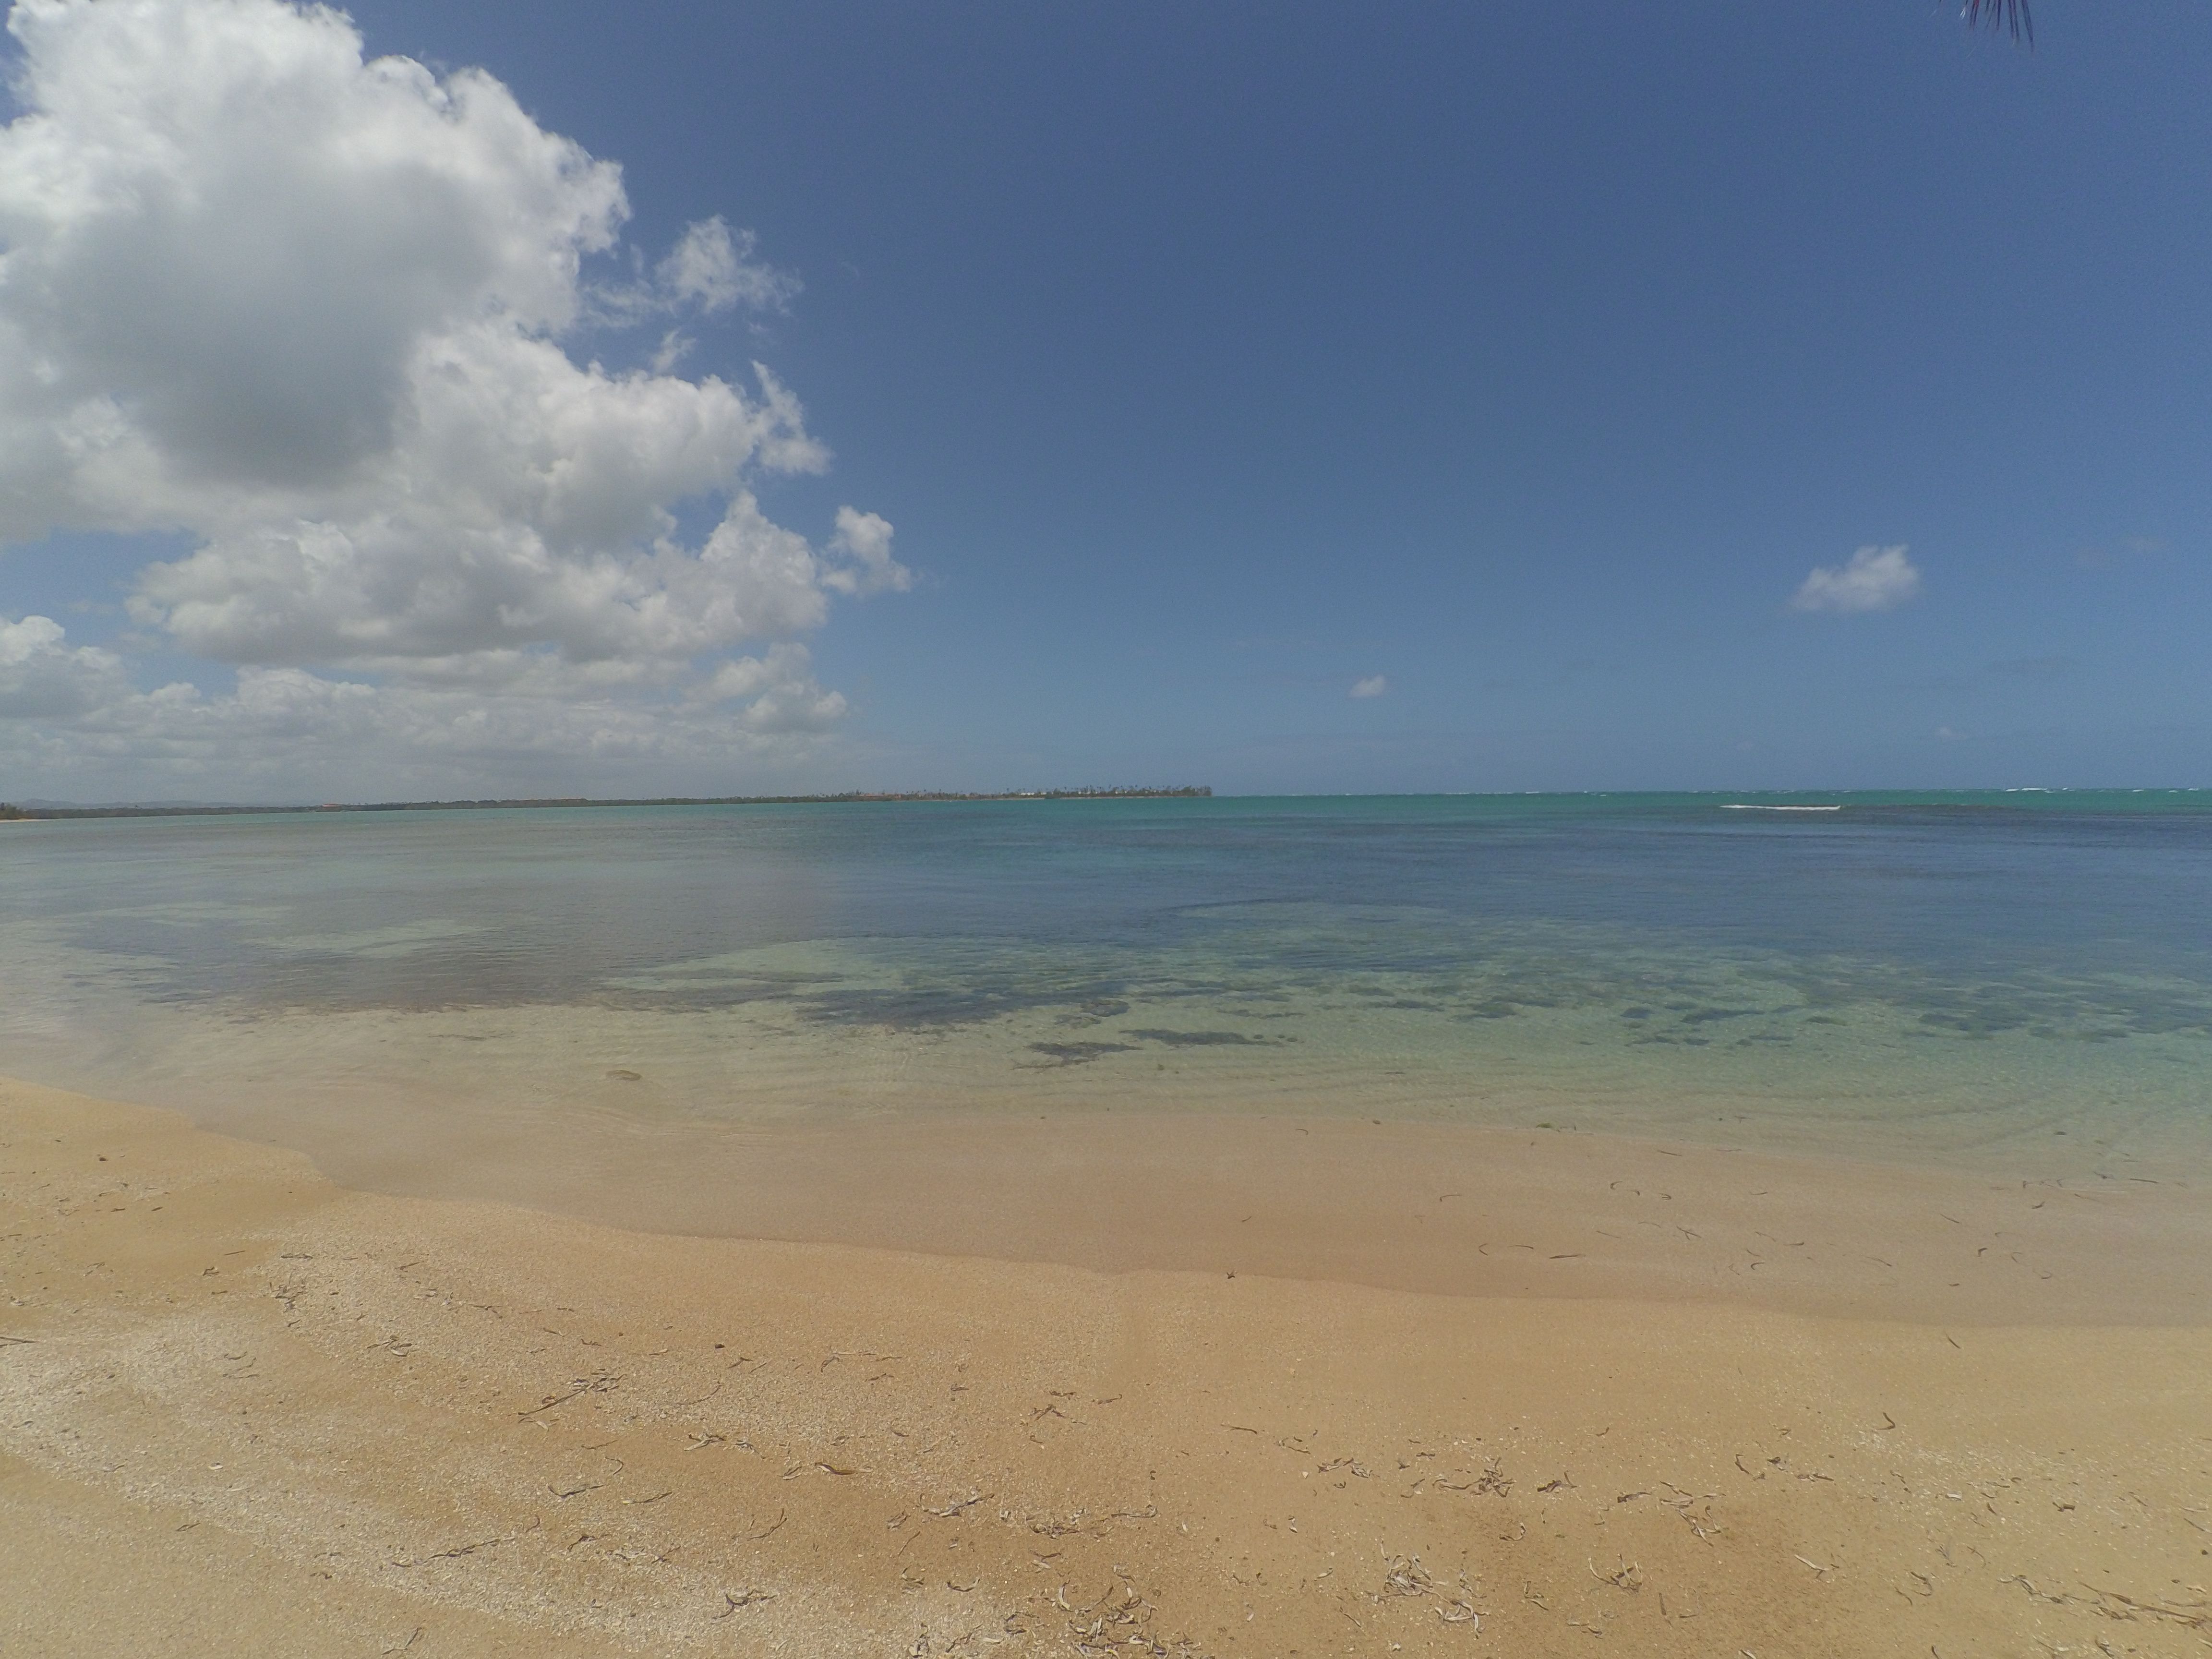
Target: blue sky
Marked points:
1212	361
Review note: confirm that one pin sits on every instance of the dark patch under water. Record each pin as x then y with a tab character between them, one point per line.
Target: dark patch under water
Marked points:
1198	1039
2086	921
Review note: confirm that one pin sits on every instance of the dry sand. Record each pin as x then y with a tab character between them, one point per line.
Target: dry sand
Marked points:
1443	1392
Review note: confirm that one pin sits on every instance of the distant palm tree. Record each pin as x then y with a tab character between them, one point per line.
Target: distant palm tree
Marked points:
2001	14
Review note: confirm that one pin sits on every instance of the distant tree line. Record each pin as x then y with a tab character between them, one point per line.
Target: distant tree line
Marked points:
1120	792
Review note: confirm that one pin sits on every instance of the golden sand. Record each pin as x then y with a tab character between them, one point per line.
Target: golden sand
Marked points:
1121	1387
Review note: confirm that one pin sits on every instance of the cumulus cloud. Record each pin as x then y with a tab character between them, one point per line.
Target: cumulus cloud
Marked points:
861	551
1373	686
70	714
314	311
779	691
378	594
1873	579
42	676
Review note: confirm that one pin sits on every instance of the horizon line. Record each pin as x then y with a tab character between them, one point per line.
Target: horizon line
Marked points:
48	810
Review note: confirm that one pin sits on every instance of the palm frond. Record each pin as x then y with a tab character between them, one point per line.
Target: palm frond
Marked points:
2002	14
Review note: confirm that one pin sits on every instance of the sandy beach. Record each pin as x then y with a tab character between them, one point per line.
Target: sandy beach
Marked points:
248	1411
1139	831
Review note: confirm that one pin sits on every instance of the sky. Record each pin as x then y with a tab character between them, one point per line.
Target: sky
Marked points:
445	398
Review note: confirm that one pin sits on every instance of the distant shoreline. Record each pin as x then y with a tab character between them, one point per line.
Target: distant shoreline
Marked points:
2131	798
1181	793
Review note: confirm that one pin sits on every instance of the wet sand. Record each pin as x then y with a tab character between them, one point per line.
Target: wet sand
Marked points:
1445	1209
1185	1386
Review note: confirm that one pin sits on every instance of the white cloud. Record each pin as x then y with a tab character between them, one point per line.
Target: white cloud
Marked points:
861	551
310	309
712	267
83	732
43	678
379	594
1373	686
1875	578
778	690
710	270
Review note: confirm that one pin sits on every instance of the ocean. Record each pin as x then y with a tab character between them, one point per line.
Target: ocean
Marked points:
2015	981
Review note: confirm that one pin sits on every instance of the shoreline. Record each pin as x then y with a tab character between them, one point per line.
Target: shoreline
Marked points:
249	1411
1440	1208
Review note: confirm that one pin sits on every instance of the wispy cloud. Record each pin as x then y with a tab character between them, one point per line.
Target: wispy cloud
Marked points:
1373	686
1873	579
711	269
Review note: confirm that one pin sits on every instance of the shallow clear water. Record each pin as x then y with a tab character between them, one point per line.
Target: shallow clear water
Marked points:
2013	978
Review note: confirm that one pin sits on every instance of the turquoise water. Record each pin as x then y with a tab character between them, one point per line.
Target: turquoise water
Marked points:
2021	980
